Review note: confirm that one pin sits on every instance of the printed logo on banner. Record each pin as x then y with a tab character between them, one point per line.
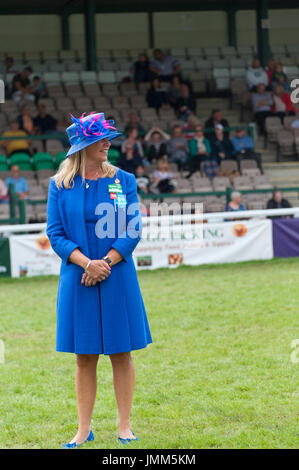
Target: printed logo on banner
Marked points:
239	230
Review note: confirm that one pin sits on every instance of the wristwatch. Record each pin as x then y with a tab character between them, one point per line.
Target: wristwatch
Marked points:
108	260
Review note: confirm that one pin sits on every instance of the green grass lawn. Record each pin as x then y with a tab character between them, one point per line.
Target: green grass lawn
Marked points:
217	375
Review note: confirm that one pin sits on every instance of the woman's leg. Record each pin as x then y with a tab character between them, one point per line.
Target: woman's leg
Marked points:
86	387
124	383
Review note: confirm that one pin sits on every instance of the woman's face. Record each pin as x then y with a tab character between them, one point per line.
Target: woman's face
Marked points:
237	200
98	151
199	131
219	133
133	134
175	82
163	166
279	90
156	137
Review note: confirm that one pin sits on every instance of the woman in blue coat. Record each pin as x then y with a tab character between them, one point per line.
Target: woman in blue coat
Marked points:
94	225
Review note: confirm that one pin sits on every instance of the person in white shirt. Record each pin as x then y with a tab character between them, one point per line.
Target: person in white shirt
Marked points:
3	192
255	75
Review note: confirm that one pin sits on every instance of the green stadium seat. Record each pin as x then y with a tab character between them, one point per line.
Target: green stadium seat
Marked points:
3	163
59	157
23	161
43	160
113	156
4	167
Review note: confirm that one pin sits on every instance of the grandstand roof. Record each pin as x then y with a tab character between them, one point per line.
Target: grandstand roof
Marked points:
114	6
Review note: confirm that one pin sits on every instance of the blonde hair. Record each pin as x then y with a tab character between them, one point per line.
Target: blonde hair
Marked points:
74	165
161	163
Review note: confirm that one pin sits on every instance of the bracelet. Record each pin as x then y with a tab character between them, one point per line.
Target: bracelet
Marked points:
85	269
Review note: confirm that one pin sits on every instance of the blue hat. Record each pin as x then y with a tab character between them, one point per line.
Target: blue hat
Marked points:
87	130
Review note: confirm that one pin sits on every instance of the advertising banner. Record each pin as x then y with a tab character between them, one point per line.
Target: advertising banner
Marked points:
225	242
32	255
190	244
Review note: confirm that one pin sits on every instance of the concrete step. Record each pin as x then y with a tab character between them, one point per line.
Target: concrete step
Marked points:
284	174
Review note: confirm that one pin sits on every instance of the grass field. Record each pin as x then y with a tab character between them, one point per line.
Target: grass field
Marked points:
218	374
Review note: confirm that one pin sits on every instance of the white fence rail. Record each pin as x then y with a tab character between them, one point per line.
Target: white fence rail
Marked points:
172	219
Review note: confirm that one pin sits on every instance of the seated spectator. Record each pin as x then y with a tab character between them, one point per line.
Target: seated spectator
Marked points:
44	123
157	96
155	141
3	192
215	119
37	88
25	120
134	123
9	67
280	78
133	139
15	146
174	90
129	159
199	150
163	178
282	103
165	67
23	77
277	201
261	102
20	183
235	204
22	93
222	148
270	71
255	75
142	180
177	147
244	148
140	69
186	103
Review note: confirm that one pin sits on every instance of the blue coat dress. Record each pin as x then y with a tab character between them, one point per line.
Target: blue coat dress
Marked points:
109	317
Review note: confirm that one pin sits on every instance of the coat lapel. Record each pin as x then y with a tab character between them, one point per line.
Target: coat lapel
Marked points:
73	201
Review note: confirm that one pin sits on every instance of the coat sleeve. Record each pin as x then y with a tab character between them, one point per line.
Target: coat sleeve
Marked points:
129	238
62	246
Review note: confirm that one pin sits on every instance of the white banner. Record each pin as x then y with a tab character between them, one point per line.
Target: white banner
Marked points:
32	255
193	244
225	242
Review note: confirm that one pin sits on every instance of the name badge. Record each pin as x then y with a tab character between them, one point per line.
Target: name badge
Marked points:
121	200
115	188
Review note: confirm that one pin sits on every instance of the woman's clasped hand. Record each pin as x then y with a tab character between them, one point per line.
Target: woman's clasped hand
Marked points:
97	271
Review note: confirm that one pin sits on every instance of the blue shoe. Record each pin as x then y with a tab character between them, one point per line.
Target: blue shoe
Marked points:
74	445
127	440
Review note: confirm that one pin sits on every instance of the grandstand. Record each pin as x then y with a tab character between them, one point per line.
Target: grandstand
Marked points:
78	80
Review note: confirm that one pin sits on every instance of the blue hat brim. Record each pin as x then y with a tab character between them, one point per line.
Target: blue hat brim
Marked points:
85	143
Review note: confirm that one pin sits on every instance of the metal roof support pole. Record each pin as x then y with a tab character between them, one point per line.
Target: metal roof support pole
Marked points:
262	30
151	32
65	31
231	27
